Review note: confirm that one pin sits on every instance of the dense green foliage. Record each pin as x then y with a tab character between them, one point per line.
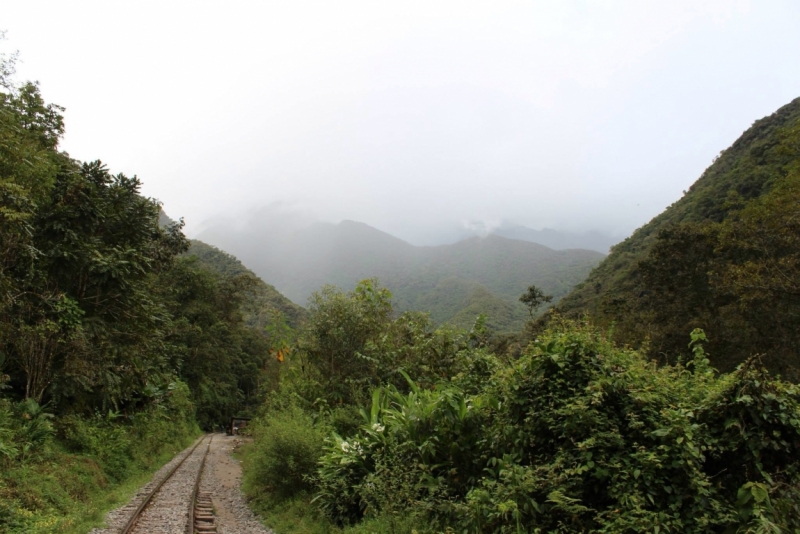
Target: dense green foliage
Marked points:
454	283
350	344
288	445
225	363
576	435
78	323
113	343
723	258
579	436
97	309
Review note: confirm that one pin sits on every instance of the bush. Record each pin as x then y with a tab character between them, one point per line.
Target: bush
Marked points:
416	449
25	431
578	435
123	444
285	452
345	420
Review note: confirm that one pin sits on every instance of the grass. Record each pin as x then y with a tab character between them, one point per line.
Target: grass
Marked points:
92	514
69	493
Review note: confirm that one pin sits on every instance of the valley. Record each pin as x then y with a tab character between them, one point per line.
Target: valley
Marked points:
278	374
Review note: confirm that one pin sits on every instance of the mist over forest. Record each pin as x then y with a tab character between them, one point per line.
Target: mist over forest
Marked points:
452	282
278	220
361	267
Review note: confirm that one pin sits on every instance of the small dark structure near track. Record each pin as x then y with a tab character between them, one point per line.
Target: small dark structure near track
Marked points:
237	423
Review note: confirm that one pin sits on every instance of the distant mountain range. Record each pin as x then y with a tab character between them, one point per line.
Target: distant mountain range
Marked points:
453	282
559	240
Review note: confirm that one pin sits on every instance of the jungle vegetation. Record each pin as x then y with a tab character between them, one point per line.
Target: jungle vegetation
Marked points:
657	397
387	424
724	258
648	403
116	345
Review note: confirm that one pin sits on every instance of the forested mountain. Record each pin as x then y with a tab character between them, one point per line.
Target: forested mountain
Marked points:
725	257
454	282
264	298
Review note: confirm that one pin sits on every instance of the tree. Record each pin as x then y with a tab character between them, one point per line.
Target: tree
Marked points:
81	249
341	328
215	353
533	298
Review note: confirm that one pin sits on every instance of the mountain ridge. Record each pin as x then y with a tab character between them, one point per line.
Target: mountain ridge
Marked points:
558	240
494	270
264	299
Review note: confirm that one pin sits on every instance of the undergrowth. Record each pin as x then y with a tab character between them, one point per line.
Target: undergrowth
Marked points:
298	514
577	435
64	476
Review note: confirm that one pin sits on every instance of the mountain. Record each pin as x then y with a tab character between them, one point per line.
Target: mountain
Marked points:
559	240
725	258
454	282
265	298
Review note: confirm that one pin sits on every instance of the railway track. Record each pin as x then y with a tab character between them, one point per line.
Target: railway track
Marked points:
175	505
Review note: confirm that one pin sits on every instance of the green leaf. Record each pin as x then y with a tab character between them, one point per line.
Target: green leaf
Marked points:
760	493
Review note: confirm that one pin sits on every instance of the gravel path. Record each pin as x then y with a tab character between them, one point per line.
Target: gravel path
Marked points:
222	478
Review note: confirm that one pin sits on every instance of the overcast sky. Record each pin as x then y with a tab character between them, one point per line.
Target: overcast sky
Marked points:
414	117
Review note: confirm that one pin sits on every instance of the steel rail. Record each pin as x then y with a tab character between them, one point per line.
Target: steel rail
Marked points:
132	521
190	527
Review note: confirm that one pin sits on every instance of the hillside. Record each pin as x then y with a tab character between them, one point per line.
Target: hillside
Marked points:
265	298
454	282
680	270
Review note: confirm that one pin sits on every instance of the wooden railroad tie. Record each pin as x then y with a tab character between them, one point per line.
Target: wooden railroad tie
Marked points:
204	514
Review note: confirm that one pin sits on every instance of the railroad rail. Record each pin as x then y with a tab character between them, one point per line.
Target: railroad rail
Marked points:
161	510
201	509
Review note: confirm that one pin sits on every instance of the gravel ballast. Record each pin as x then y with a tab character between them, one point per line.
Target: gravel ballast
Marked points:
168	511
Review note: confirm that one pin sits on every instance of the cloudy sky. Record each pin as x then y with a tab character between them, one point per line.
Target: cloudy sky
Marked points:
415	117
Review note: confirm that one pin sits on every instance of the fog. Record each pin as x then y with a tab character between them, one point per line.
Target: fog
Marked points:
428	120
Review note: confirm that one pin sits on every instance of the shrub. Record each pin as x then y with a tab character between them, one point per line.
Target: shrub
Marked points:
415	449
121	444
26	430
578	435
285	452
345	420
62	483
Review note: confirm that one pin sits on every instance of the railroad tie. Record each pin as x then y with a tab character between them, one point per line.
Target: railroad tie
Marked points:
204	514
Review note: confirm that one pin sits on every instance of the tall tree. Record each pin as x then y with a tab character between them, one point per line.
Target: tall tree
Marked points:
533	299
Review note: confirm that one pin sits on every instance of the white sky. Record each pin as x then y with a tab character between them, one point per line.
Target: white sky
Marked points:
414	117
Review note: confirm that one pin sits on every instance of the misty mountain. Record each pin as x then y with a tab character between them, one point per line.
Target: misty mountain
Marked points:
454	282
559	240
